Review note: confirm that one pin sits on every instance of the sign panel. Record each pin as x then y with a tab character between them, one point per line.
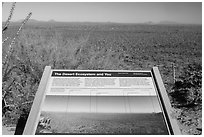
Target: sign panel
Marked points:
100	102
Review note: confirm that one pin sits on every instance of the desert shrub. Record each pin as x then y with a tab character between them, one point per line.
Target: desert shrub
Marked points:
187	90
17	81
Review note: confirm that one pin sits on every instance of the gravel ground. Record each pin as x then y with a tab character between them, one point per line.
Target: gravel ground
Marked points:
8	130
190	121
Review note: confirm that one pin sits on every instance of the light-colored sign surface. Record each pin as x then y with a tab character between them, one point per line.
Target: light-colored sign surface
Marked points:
101	83
105	95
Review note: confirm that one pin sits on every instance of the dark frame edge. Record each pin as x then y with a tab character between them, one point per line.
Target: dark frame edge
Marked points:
174	128
30	124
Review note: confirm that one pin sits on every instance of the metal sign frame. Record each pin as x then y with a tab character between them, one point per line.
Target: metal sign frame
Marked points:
32	120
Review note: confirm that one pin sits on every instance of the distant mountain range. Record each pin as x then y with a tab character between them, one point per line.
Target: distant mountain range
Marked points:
35	21
53	22
168	22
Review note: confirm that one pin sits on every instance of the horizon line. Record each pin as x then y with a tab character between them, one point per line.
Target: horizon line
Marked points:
113	22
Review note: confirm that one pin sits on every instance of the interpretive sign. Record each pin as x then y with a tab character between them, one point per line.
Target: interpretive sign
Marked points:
101	102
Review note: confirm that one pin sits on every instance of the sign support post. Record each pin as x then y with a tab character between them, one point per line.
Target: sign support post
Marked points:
35	110
174	129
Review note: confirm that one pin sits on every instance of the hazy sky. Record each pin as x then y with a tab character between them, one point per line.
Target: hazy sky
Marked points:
108	12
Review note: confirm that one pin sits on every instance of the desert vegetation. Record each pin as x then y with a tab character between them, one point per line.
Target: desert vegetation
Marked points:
102	46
